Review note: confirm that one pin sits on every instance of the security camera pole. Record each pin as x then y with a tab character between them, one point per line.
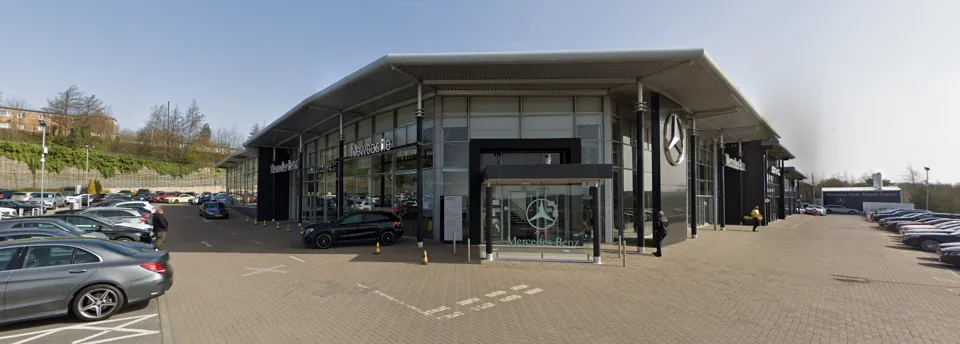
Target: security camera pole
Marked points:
87	173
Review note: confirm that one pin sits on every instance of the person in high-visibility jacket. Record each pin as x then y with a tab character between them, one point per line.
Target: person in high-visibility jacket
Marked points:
755	215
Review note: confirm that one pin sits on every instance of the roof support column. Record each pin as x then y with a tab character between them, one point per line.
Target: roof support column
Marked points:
639	190
656	151
693	190
781	188
340	194
419	115
721	183
300	174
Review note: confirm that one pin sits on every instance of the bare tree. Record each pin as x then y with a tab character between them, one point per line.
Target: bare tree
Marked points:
75	110
14	102
912	175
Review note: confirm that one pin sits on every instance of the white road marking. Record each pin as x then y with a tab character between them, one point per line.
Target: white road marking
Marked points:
948	280
468	301
533	291
483	306
496	293
391	298
362	286
260	271
205	220
510	298
206	244
122	328
233	233
255	242
518	287
436	310
450	316
297	259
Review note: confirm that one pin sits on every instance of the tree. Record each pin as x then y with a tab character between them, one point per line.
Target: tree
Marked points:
206	135
14	102
76	111
254	131
912	175
92	187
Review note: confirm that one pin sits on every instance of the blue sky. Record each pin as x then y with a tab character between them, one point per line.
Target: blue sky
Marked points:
851	86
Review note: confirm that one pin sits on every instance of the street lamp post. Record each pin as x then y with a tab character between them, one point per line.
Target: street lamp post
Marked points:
927	189
87	172
43	157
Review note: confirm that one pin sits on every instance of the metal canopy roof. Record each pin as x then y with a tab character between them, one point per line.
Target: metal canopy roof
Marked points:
792	173
236	158
777	150
688	77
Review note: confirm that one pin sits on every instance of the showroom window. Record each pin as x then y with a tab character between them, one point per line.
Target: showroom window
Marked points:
494	127
547	126
496	106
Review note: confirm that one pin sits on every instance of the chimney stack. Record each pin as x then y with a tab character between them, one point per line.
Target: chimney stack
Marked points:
877	181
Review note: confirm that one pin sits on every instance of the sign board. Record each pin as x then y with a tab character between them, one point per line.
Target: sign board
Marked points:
856	199
287	166
774	170
734	163
452	218
371	148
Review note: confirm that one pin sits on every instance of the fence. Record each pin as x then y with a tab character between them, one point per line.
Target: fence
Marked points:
16	175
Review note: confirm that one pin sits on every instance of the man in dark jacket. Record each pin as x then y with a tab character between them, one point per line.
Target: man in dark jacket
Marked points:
160	227
660	225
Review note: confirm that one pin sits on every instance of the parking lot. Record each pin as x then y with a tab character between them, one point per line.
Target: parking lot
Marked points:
832	279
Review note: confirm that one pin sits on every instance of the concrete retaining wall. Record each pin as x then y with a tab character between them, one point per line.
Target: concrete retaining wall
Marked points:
15	175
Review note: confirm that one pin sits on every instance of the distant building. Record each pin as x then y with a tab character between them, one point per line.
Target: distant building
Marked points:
29	120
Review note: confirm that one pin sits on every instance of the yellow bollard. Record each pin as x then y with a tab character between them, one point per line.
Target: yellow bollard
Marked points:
377	251
247	219
424	258
254	222
264	223
278	225
288	227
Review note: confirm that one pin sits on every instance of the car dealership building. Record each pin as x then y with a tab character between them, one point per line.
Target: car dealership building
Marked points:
528	155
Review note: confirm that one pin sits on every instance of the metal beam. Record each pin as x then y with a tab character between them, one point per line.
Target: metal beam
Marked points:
598	92
530	81
714	113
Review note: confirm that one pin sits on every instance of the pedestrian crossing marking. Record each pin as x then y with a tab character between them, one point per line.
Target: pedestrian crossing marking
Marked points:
518	287
468	301
510	298
496	293
533	291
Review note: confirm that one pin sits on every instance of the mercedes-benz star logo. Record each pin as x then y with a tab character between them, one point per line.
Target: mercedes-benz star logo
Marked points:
674	139
544	214
841	201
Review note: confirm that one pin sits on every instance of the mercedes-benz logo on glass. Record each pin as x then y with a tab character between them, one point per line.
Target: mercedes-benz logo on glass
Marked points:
542	214
674	139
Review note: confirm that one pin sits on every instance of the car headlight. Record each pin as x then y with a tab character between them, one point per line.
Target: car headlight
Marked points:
308	231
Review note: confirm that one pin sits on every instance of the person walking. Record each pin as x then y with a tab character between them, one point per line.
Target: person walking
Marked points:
160	227
755	215
660	225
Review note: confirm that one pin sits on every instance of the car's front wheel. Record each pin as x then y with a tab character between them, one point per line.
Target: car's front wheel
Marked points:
388	238
96	302
853	212
324	240
929	245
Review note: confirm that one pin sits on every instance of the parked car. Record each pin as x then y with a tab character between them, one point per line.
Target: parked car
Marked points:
28	233
930	241
17	205
6	213
90	279
6	194
949	255
111	229
816	210
837	209
880	216
181	198
379	226
138	218
926	227
127	193
135	205
214	210
47	223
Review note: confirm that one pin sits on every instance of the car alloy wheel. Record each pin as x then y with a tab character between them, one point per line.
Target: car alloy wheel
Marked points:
324	240
387	238
930	245
97	302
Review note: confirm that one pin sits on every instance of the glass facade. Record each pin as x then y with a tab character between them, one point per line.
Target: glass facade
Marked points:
706	175
242	182
386	179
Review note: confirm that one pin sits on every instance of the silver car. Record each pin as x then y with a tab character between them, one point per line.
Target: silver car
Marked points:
39	222
90	279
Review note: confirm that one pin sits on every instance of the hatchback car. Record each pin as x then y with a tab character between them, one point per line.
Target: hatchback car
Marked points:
379	226
930	242
91	279
838	209
112	230
28	233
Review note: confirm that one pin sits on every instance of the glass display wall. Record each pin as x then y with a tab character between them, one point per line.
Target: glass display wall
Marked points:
706	174
623	128
242	182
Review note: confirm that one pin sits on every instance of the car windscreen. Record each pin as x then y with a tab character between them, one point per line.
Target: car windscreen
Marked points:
211	205
119	248
69	227
100	218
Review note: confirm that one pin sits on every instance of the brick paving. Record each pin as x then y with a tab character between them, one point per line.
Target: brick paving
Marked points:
833	279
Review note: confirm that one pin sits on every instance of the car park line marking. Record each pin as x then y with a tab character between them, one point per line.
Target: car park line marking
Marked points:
255	271
450	316
496	293
468	301
133	332
510	298
206	244
518	287
533	291
297	259
391	298
255	242
362	286
436	310
483	306
234	233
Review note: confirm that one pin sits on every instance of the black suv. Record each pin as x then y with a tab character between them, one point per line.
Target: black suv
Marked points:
364	225
98	224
